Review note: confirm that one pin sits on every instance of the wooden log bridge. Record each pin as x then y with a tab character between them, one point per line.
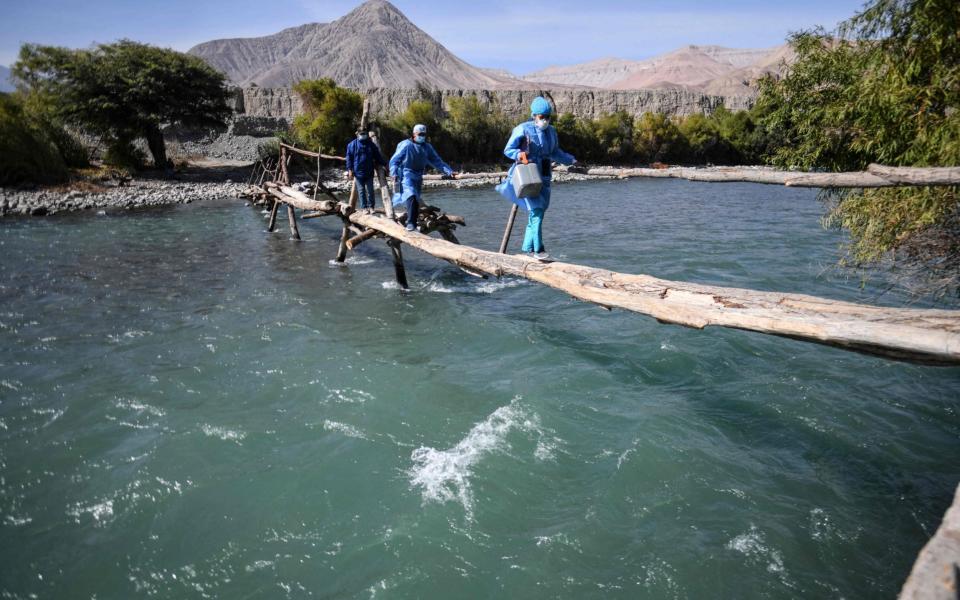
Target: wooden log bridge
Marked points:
918	335
925	336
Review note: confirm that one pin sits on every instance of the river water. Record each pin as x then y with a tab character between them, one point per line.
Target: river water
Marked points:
191	407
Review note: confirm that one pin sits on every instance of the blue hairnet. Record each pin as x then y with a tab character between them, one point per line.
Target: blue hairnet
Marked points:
539	106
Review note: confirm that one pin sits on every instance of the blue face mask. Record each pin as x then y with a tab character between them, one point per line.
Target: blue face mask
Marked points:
419	139
542	124
362	137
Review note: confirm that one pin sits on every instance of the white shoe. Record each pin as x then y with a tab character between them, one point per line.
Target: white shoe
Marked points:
541	256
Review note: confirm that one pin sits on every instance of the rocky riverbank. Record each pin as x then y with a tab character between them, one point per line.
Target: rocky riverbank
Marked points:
138	193
212	184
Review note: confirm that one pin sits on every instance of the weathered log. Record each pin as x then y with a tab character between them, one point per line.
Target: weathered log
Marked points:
509	229
917	175
292	218
936	572
344	235
362	237
303	152
353	194
919	335
298	199
875	176
398	268
839	180
386	193
273	215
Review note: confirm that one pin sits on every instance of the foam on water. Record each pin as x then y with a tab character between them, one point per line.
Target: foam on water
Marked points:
349	396
227	435
444	475
478	286
347	430
351	260
754	546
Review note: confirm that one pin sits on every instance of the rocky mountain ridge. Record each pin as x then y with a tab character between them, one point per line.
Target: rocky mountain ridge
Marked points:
374	45
715	70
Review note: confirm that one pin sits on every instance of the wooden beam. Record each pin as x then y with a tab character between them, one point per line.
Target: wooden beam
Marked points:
292	218
917	175
918	335
273	215
303	152
398	268
362	237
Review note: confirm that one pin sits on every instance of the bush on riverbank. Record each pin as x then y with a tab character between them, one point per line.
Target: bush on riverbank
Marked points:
882	88
28	154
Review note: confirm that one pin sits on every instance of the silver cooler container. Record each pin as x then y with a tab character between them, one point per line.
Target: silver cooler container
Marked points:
526	180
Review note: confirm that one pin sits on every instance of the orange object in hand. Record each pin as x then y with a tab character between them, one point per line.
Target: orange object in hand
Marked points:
522	157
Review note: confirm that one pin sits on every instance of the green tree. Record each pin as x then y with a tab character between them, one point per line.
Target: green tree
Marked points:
657	138
27	154
477	134
125	90
331	115
884	88
614	133
577	137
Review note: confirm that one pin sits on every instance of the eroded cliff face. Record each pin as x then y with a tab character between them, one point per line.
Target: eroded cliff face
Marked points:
282	103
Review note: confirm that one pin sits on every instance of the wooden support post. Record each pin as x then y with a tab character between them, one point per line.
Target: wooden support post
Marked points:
292	217
386	194
353	194
344	236
506	232
398	268
273	216
284	159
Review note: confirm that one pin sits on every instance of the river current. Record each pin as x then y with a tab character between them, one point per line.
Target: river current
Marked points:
191	407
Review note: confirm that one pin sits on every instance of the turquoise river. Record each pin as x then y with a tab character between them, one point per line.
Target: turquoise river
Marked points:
191	407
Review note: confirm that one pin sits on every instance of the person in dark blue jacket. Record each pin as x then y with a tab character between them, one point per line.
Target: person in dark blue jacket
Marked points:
363	157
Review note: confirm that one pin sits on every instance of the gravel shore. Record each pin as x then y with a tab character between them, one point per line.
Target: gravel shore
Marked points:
137	193
156	192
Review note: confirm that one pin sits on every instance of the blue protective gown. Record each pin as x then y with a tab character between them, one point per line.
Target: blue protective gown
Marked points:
541	147
407	167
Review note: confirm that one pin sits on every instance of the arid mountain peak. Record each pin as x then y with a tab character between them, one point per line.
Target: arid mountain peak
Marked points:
374	45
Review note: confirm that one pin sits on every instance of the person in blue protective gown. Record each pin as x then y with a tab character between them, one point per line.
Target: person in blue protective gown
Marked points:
363	157
535	141
409	161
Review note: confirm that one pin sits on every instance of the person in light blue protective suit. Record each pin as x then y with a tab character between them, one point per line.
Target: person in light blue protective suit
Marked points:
409	161
535	140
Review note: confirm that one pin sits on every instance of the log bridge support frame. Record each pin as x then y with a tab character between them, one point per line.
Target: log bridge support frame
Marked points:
926	336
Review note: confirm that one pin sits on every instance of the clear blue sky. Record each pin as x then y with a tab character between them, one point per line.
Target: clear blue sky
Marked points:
520	36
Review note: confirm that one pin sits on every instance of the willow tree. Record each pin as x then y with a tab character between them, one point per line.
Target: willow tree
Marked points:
884	87
125	90
331	115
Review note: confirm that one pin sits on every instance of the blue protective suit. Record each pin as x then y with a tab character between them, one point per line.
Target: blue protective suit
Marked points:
542	147
407	167
362	158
